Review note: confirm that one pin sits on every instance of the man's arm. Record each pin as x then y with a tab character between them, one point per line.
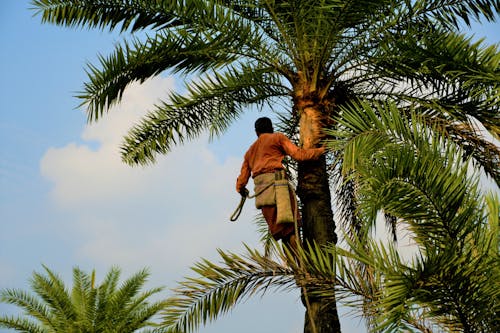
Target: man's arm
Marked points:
300	154
244	176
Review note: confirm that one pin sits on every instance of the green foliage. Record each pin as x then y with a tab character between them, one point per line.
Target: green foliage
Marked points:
408	170
86	307
236	54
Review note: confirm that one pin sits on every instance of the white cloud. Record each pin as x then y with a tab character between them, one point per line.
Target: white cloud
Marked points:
82	174
137	99
164	216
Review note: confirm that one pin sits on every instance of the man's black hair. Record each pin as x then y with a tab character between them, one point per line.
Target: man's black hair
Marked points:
264	125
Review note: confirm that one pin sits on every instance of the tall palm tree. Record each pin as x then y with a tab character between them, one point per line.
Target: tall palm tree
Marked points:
315	55
86	308
450	282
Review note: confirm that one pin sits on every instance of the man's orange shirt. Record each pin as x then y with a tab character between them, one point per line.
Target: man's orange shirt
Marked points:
266	155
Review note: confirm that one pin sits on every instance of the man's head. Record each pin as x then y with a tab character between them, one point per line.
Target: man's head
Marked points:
263	125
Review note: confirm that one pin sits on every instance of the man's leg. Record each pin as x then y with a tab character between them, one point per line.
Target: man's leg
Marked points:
277	230
292	239
284	231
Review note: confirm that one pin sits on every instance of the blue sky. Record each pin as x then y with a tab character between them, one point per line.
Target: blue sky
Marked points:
66	199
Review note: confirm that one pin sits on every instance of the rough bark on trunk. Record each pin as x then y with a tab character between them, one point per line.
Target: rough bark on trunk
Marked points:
314	193
318	226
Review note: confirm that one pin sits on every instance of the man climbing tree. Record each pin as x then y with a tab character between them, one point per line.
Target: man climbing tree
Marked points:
263	161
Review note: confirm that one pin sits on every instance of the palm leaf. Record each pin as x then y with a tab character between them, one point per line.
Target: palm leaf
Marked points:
21	325
32	307
83	296
126	15
216	289
52	291
144	59
212	105
449	11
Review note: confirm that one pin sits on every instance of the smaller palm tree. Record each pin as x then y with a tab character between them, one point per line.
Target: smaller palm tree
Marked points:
86	308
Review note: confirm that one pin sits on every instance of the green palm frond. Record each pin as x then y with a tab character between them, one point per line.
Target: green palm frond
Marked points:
266	238
360	134
100	14
472	140
83	296
365	291
311	28
105	294
357	49
181	52
127	291
53	292
492	201
450	11
119	300
31	305
450	77
450	70
128	301
217	288
217	41
213	104
445	287
449	285
21	325
130	15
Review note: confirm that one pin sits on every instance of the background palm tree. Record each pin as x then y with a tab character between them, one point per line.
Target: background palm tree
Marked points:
86	308
450	281
316	56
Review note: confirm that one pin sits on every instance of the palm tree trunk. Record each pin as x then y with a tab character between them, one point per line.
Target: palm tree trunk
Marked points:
317	216
318	226
314	192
